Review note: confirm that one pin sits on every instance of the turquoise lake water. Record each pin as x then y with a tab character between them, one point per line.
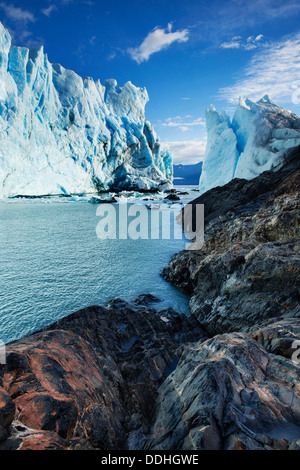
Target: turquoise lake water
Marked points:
52	264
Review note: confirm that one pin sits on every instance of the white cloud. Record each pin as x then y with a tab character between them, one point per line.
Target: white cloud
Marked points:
20	18
188	152
236	15
237	42
157	40
93	40
111	56
272	71
17	13
48	11
230	45
183	123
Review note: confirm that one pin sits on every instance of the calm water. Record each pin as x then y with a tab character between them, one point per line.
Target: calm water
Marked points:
52	264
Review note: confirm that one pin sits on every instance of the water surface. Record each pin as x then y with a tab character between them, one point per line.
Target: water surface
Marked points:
52	264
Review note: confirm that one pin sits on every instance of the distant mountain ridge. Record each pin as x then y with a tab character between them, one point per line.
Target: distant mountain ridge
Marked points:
187	174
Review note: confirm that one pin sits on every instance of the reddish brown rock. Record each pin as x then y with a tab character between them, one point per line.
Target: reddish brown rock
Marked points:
78	383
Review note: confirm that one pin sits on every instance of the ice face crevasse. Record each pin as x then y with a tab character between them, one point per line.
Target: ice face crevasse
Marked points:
61	134
260	137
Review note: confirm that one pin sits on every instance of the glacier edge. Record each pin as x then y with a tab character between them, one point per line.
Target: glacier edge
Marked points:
260	137
63	134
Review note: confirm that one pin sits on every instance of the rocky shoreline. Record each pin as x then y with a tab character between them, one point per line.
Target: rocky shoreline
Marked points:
129	376
90	380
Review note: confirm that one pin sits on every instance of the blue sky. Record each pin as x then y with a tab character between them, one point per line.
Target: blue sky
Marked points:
189	54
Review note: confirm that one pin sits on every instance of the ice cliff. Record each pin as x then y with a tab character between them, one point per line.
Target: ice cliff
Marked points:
259	137
62	134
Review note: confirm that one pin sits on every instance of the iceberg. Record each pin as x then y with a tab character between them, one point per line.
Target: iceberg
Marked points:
260	137
63	134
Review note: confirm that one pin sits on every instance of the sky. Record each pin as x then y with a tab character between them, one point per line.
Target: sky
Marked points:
188	54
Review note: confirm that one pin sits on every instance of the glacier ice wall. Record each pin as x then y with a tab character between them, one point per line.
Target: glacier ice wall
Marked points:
258	138
61	134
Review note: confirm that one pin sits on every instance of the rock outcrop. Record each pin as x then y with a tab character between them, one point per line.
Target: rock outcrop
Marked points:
90	380
248	270
229	393
239	389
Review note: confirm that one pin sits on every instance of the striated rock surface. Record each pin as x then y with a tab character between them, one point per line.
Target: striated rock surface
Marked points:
90	380
229	393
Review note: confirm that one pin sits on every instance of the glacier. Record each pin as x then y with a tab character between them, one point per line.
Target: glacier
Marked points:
62	134
260	136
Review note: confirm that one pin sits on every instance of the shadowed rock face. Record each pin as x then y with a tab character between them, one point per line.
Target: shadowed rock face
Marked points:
90	380
241	195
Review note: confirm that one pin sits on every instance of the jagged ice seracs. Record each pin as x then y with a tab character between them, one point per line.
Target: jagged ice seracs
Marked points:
260	137
61	134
